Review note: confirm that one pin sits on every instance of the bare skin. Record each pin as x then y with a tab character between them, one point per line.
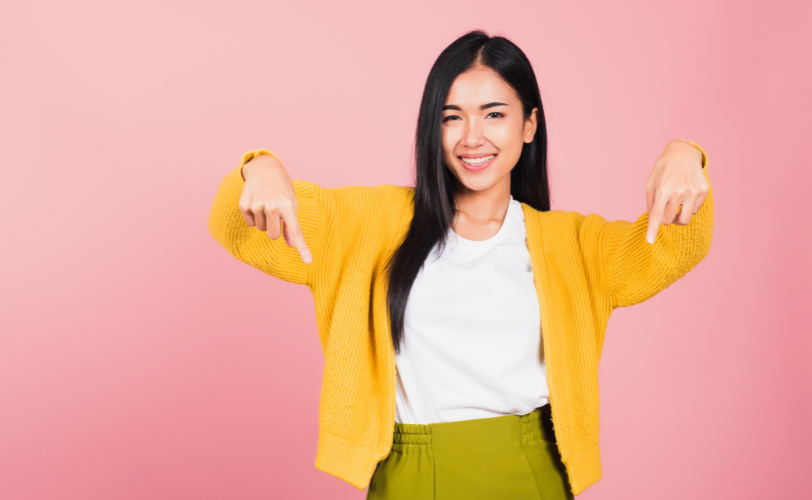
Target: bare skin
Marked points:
483	116
676	187
268	202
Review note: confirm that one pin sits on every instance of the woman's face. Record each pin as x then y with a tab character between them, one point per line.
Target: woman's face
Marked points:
484	130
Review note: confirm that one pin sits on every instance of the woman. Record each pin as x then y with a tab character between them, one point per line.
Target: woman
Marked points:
461	318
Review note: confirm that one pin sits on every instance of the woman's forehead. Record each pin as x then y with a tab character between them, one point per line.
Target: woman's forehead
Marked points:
479	86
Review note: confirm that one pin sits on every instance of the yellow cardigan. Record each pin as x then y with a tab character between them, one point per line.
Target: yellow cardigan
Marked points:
584	267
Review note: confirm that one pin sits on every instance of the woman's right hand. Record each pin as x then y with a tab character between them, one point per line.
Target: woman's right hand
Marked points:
268	202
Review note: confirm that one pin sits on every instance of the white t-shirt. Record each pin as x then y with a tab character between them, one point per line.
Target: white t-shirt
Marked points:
472	346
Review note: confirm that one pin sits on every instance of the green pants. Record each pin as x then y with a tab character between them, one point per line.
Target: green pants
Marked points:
512	457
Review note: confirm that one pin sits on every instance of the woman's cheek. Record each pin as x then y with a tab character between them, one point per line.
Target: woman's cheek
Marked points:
499	138
449	142
510	138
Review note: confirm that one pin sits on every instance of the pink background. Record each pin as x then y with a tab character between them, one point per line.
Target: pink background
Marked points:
139	360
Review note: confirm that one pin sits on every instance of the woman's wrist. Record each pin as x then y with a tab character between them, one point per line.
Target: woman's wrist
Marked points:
261	164
686	147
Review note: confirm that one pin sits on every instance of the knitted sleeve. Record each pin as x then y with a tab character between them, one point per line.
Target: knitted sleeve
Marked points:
253	246
632	270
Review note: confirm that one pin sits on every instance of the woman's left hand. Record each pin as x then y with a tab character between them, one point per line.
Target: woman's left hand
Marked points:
676	180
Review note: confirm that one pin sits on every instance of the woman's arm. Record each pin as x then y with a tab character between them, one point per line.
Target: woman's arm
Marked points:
248	214
618	254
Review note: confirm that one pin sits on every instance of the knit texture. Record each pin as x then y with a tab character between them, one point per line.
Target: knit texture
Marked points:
583	266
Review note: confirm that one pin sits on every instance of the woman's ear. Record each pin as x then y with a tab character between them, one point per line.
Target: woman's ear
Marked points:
530	126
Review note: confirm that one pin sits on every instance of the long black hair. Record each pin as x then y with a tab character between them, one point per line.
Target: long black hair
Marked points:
434	207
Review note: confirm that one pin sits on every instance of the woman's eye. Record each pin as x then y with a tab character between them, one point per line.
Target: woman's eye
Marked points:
495	114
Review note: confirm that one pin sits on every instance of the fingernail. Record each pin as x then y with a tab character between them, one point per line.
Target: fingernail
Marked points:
308	259
649	239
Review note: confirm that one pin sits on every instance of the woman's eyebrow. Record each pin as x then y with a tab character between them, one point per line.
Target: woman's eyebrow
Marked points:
483	107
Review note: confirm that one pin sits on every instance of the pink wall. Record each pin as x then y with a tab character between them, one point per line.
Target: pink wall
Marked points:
139	360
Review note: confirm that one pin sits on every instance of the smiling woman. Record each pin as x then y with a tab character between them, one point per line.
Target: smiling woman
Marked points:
462	320
478	136
481	144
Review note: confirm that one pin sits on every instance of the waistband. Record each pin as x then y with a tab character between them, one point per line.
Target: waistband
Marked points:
482	432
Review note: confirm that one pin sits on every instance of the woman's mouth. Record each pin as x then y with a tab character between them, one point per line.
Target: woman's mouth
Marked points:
476	164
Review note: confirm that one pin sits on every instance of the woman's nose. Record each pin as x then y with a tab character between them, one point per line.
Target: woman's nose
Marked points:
472	134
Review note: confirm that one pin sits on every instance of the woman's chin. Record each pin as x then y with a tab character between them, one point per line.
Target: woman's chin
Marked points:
477	185
477	182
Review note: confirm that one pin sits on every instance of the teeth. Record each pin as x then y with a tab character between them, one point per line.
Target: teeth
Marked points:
477	161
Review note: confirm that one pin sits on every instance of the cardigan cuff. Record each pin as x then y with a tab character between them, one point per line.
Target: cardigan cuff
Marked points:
250	155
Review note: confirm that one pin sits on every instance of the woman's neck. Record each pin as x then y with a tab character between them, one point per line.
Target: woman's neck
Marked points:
480	214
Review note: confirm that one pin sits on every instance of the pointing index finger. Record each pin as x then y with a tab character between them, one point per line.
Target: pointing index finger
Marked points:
655	217
296	234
